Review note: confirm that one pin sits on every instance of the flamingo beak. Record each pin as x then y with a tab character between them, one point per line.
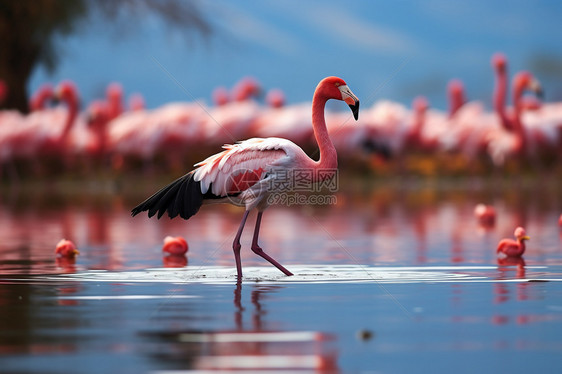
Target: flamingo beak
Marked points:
525	237
350	100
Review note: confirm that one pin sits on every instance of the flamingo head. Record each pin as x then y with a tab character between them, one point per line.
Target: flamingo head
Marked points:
220	96
246	88
66	248
420	104
520	234
275	98
114	91
97	112
524	81
499	61
67	92
336	88
456	87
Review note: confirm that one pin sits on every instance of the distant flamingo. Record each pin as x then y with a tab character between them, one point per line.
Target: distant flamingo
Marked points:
486	214
455	91
513	248
66	248
512	140
175	245
114	97
560	221
247	173
499	63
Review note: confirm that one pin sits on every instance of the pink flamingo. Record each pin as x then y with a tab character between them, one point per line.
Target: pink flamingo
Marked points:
66	248
513	248
499	63
98	119
175	245
512	138
247	173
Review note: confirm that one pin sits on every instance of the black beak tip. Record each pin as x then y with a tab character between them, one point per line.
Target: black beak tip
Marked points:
540	93
355	110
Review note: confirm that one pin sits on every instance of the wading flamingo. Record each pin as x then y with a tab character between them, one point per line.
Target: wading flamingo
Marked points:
247	173
513	248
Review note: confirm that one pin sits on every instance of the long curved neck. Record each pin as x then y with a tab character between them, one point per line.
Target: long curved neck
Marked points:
518	108
500	92
72	106
328	155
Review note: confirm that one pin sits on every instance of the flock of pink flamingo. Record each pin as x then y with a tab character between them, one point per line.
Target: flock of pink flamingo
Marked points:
109	133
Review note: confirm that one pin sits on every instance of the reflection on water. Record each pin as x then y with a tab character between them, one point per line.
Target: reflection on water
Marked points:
411	267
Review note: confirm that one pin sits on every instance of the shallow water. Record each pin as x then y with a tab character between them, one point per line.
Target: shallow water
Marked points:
387	280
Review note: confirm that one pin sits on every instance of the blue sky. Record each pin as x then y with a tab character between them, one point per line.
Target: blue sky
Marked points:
383	49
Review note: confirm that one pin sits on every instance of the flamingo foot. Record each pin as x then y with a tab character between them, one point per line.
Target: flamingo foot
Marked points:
257	250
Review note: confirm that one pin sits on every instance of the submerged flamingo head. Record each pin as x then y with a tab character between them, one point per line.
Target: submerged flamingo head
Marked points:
520	234
66	248
175	245
336	88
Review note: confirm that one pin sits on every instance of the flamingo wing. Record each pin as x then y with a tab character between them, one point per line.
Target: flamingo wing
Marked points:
241	165
224	174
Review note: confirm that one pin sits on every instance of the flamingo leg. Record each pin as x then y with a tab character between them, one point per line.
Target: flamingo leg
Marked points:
236	245
257	250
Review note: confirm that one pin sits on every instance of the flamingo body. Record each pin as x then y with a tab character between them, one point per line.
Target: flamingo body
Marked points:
246	173
513	248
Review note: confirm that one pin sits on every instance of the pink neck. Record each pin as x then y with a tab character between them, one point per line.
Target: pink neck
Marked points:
499	97
517	125
72	106
328	156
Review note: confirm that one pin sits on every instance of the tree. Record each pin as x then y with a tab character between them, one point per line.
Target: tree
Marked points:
29	30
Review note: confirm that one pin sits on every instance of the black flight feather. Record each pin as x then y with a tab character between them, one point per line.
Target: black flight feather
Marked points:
183	196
